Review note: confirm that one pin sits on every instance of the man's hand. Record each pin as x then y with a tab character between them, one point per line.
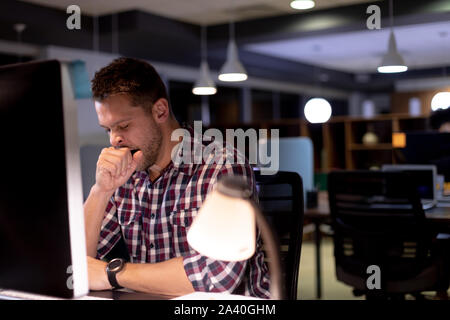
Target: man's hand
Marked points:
114	168
98	279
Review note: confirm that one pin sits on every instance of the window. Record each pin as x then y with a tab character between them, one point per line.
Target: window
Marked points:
224	106
185	105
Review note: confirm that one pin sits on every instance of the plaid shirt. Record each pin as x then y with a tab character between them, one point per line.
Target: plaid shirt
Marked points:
153	218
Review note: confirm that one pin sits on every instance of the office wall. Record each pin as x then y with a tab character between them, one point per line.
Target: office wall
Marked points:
91	133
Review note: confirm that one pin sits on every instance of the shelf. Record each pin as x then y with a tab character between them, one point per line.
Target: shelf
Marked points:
338	144
378	146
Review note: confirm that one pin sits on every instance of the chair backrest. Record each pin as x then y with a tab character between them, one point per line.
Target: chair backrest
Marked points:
281	201
296	154
378	220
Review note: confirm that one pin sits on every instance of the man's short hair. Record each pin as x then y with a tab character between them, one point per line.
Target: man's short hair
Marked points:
439	117
136	78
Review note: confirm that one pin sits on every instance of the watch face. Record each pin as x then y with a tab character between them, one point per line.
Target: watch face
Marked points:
115	265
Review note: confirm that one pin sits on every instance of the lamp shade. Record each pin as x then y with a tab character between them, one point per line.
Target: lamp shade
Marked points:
232	70
317	110
441	100
392	61
224	228
204	84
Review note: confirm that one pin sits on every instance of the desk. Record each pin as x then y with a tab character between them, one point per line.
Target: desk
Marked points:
438	218
122	294
128	295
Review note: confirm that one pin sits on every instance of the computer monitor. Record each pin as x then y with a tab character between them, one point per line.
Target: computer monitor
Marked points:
424	176
426	148
42	239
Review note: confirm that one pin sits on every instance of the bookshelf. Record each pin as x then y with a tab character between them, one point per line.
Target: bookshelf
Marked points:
338	143
342	140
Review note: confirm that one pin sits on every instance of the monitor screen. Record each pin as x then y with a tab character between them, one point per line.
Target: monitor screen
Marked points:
426	148
42	244
423	177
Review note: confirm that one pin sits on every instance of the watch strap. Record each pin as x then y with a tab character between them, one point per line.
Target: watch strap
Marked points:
113	281
112	276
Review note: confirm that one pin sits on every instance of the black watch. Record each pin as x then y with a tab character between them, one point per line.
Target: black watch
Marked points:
112	268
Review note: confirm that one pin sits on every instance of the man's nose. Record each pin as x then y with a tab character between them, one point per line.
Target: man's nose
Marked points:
116	140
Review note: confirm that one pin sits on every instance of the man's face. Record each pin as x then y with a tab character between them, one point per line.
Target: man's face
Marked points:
130	126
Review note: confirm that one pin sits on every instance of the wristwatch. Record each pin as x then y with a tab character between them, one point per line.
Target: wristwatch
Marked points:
112	268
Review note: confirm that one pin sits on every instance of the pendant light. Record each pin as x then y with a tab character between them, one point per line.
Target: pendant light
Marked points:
232	70
204	85
302	4
441	100
317	109
392	61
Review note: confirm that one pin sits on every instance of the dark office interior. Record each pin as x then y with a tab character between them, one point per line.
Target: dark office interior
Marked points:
363	175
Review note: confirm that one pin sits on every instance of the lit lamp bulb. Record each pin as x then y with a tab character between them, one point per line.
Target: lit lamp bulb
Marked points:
441	100
204	85
317	110
302	4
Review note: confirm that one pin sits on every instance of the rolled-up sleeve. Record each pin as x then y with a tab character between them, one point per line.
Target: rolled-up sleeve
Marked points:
211	275
110	231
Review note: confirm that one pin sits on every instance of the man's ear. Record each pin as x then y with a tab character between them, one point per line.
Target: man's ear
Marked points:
160	110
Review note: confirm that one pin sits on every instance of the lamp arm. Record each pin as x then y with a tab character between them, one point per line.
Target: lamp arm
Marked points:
273	254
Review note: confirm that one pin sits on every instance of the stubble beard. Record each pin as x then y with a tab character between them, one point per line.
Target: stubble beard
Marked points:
152	149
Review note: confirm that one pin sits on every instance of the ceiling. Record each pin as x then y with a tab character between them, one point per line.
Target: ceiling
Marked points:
206	12
329	43
422	46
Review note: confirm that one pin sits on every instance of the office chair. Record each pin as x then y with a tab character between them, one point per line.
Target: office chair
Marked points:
378	220
281	201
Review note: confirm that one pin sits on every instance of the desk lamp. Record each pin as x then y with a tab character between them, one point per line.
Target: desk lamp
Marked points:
224	228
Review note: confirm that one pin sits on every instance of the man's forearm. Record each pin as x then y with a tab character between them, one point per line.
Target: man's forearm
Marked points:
167	278
94	211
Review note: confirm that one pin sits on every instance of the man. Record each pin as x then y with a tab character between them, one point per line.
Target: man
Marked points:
143	197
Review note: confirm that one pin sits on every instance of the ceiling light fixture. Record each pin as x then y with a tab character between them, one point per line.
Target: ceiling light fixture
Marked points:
232	70
303	4
204	86
392	61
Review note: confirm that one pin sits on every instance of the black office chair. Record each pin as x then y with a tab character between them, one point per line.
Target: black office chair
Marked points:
281	201
378	220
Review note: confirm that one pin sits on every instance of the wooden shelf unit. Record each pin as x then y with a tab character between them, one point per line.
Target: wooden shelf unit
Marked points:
338	142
